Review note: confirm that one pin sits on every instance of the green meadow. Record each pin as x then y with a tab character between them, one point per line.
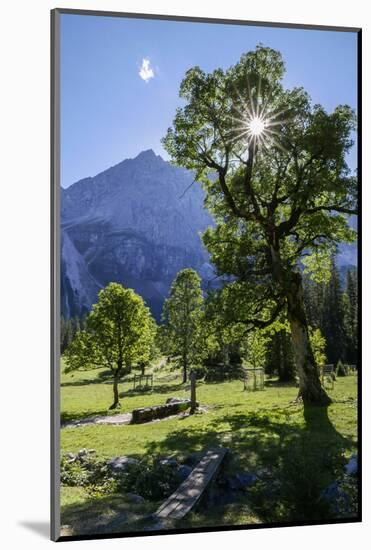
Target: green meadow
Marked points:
297	451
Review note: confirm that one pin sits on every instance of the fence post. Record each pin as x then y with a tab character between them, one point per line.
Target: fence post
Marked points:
192	378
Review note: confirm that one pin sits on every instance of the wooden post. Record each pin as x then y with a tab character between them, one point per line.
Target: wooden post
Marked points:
192	378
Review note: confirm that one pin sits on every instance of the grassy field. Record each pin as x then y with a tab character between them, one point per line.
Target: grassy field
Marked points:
301	449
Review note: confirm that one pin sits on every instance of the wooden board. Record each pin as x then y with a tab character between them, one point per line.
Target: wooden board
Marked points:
191	490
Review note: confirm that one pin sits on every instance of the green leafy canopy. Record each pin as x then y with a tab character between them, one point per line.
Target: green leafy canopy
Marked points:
274	204
119	331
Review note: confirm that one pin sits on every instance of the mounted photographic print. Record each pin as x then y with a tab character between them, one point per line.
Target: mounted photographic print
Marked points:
205	289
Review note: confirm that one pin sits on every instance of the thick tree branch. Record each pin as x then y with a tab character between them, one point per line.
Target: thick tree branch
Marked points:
258	323
332	208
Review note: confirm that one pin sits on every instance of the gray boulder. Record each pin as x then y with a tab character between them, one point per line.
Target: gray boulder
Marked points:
169	461
136	499
121	463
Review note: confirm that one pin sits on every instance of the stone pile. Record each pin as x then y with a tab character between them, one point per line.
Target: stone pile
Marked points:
172	406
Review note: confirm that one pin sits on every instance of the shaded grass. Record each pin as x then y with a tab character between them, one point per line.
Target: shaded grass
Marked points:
107	514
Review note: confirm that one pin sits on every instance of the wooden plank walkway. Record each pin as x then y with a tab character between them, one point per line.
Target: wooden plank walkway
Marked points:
191	490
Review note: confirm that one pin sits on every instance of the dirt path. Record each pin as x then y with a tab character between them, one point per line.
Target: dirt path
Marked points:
115	419
123	418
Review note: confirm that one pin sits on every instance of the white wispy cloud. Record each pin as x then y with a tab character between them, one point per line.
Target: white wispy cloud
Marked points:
146	72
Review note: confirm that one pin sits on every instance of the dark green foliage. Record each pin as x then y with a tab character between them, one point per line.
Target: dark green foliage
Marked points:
347	506
151	479
225	364
314	292
333	318
301	482
280	357
350	308
333	308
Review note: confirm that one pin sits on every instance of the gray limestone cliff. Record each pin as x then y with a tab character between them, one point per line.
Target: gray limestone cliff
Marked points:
137	223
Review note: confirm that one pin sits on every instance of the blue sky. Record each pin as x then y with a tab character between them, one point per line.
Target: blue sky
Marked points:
110	112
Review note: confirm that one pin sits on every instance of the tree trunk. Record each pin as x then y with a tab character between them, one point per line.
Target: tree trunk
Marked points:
116	400
310	388
185	368
192	378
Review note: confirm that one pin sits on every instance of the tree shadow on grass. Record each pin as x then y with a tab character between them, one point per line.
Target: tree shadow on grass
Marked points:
274	383
104	515
86	415
294	458
85	382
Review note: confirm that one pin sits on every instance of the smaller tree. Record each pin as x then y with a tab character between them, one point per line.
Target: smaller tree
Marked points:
254	348
150	349
119	331
182	315
318	343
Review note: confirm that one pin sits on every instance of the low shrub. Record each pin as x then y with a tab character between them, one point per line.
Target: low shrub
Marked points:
83	471
219	372
149	478
341	369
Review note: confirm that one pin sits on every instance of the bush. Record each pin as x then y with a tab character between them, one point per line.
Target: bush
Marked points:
341	369
151	479
200	371
223	366
347	506
218	372
83	471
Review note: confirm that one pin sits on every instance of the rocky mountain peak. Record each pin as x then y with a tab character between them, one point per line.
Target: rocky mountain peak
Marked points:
137	223
146	155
